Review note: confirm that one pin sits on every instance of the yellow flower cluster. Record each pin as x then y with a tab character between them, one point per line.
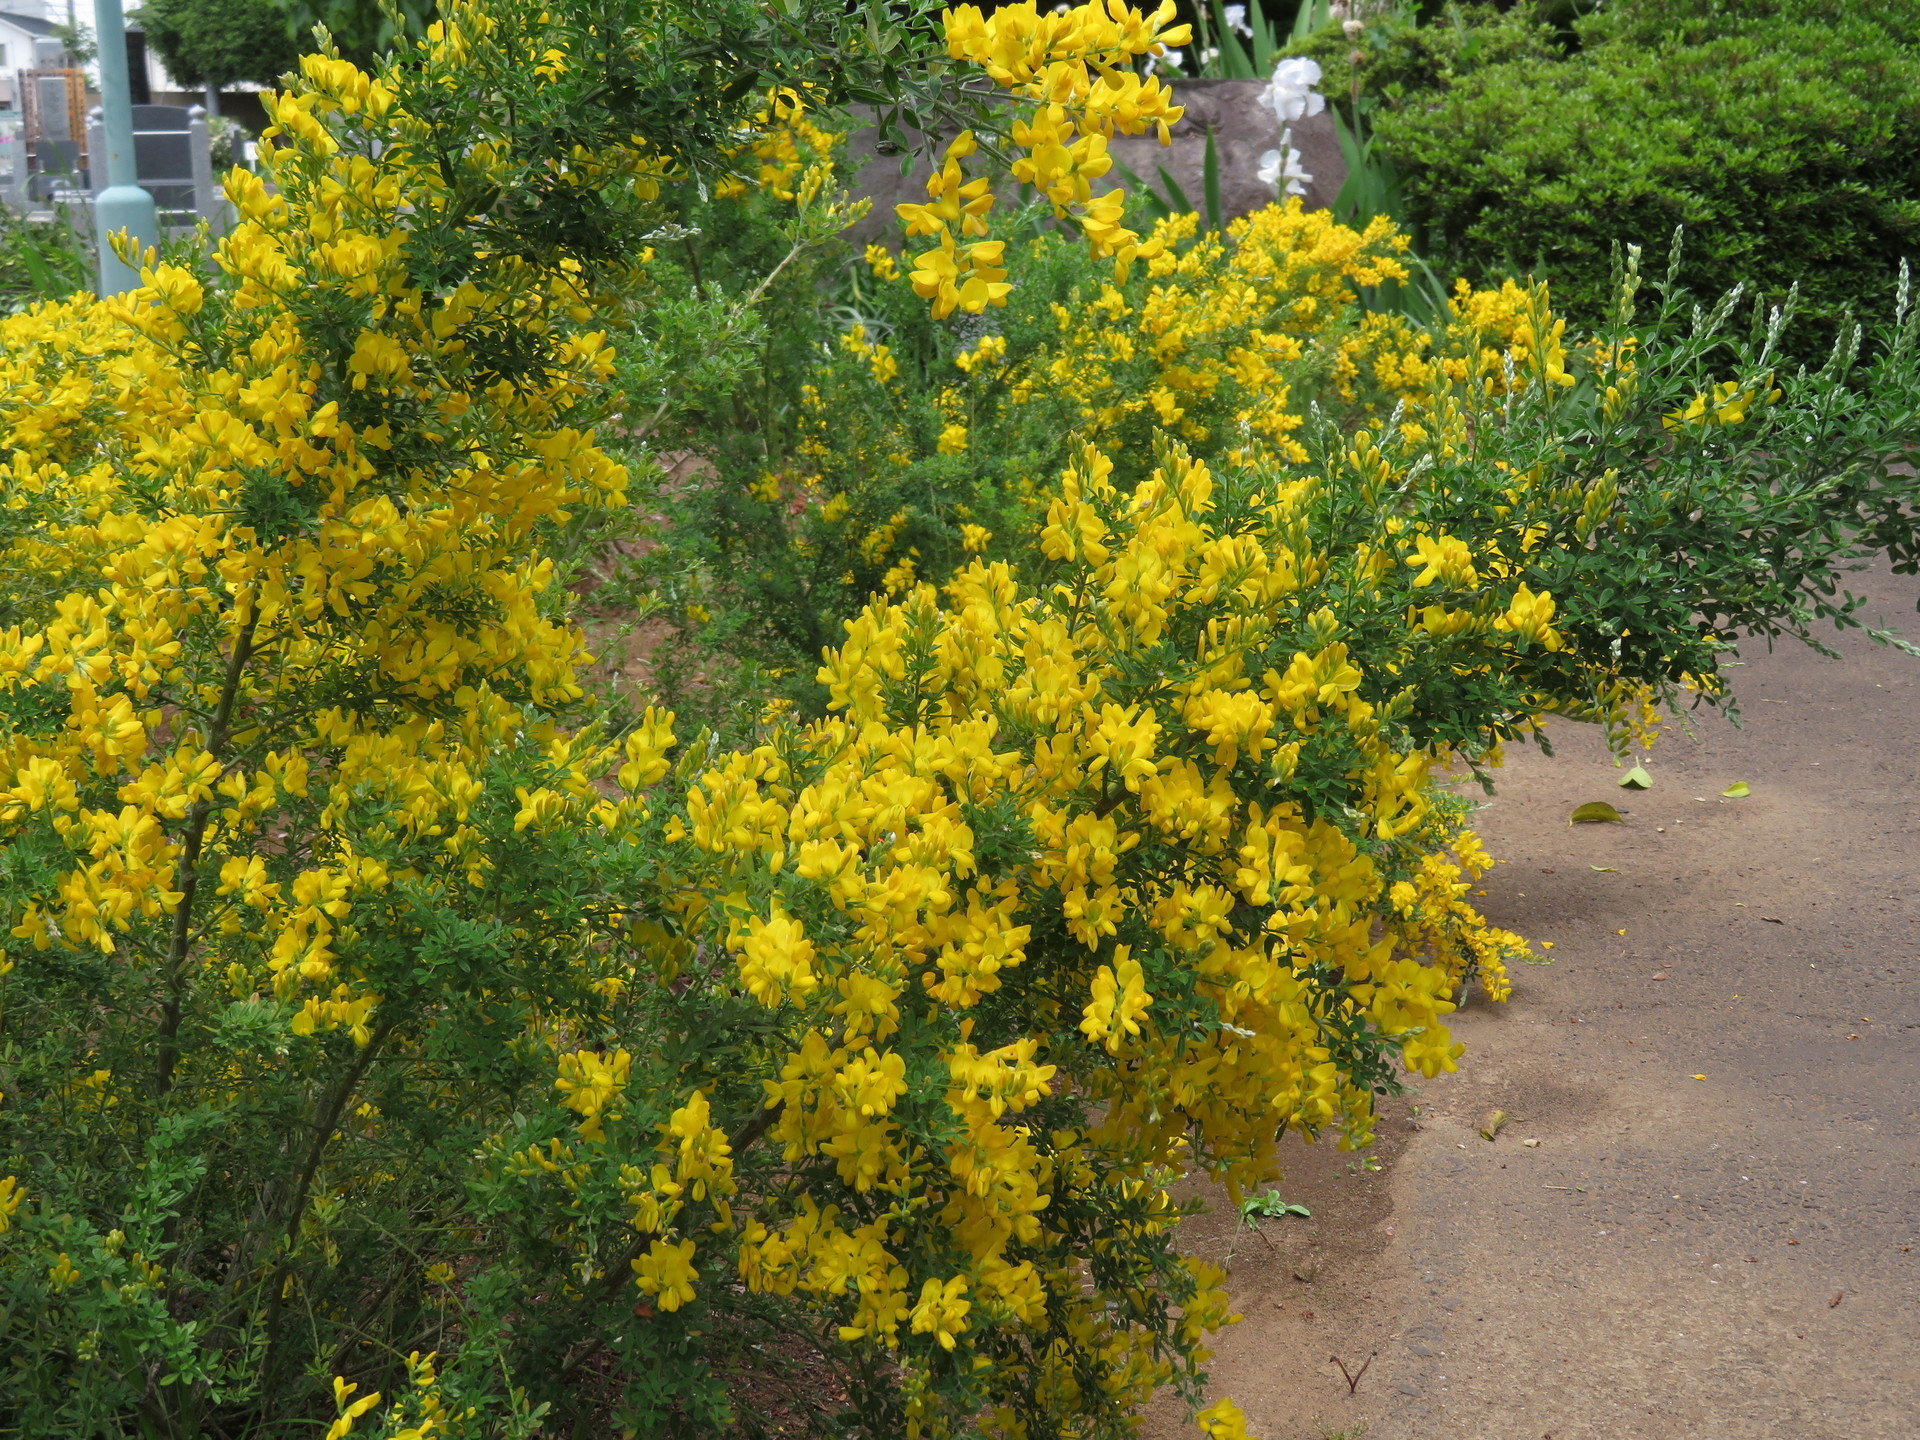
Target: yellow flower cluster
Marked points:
1075	64
1210	347
241	550
1725	404
789	149
1233	316
1170	873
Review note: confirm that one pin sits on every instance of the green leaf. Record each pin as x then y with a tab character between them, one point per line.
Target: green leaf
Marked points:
1235	63
1178	196
1270	1206
1636	779
1311	16
1594	812
1737	791
1210	183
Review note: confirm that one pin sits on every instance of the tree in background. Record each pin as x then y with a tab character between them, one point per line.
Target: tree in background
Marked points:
361	28
213	43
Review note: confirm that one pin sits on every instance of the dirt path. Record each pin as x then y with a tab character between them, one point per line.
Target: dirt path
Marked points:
1728	1258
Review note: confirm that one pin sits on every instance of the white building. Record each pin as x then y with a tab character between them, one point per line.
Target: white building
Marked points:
21	23
24	21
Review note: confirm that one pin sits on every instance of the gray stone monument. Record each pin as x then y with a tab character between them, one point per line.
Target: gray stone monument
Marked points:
174	161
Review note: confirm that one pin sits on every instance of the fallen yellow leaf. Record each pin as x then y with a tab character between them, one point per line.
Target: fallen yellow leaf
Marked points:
1699	1077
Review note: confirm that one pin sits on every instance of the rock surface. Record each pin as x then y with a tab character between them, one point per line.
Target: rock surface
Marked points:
1243	131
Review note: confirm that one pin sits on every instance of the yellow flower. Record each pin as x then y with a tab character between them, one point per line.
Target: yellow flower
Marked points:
1223	1420
349	1411
591	1083
1442	558
942	1311
11	1196
776	959
667	1272
1119	1000
1530	616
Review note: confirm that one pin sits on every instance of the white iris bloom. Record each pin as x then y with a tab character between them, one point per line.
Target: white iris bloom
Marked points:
1282	169
1290	93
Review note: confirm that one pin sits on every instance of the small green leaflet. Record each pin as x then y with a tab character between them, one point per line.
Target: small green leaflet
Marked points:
1737	791
1636	779
1595	812
1269	1206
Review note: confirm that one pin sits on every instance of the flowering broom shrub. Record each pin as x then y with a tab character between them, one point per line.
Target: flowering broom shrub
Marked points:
918	443
395	1044
921	444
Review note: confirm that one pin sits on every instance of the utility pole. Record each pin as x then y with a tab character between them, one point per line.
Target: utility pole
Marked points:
123	205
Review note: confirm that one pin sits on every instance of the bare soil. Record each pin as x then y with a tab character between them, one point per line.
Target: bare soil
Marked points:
1717	1236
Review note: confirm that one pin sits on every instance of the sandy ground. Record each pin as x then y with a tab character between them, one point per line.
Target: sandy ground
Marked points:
1734	1257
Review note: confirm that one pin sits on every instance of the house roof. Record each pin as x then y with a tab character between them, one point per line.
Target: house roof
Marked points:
32	24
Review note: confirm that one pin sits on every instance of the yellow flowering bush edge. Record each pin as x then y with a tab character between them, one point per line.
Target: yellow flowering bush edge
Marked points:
391	1046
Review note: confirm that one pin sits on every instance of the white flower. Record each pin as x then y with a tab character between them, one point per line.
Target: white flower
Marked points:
1175	58
1281	168
1354	29
1290	94
1237	20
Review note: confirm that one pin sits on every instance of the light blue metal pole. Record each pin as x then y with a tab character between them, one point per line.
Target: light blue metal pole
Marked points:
123	205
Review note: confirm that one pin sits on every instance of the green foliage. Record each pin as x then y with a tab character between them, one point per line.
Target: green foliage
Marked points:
1784	137
363	29
42	259
216	42
77	38
1404	56
1269	1205
1751	520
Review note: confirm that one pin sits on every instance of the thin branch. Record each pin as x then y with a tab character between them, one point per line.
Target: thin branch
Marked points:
186	873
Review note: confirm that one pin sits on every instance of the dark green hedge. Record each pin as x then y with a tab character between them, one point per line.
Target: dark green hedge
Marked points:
1786	137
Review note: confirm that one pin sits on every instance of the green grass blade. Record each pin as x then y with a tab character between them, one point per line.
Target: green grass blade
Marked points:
1266	44
1175	194
1156	203
1235	63
1210	179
